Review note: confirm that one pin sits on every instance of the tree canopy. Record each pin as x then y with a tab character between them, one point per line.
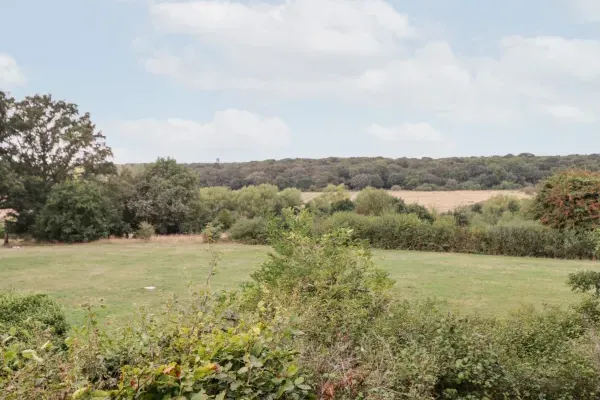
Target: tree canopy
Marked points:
454	173
44	142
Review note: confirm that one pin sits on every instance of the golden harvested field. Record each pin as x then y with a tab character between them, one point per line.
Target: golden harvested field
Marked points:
441	201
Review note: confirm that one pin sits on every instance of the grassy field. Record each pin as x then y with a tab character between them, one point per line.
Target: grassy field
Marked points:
118	272
441	201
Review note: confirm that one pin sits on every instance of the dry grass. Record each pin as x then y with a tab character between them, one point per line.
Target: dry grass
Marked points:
441	201
167	239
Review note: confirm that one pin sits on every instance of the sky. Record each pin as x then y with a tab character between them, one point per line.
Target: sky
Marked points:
240	80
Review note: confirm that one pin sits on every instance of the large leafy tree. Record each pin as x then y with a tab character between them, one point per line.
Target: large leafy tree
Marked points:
44	142
77	211
166	196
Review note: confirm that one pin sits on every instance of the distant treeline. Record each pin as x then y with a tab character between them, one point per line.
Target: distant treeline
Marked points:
456	173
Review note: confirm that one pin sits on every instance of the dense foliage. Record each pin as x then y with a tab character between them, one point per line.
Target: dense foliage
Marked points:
570	200
317	321
77	211
165	196
23	315
466	173
44	142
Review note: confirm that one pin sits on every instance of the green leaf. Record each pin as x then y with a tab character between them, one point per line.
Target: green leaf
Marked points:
292	370
221	395
256	349
79	393
204	371
288	386
199	396
100	395
299	381
242	370
9	355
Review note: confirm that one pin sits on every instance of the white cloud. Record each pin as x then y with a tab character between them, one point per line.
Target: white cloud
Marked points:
568	113
296	47
407	132
331	27
229	130
366	51
587	10
10	73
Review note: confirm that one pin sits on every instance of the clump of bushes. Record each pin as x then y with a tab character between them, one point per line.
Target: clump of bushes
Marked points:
250	231
372	201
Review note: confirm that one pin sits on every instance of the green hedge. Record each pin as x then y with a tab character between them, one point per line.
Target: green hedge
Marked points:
408	232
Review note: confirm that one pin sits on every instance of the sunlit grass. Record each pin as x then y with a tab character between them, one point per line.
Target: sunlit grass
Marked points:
117	272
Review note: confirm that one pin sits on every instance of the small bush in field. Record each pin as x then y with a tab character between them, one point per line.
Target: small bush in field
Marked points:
374	202
145	232
225	219
529	190
250	231
212	233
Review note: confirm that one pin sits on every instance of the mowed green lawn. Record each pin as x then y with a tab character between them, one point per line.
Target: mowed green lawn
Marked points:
118	273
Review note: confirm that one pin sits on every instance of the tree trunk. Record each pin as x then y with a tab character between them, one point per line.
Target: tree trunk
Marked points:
5	233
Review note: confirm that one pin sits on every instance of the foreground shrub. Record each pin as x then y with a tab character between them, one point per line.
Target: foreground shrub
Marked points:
76	211
431	353
200	351
327	278
358	343
570	200
24	314
250	231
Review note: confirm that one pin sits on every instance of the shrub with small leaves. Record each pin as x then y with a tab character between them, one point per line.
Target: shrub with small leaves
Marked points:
250	231
145	232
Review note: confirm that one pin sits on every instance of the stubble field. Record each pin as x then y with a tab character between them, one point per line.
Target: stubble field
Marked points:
441	201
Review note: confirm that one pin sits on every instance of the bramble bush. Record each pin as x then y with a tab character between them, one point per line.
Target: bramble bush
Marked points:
569	200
